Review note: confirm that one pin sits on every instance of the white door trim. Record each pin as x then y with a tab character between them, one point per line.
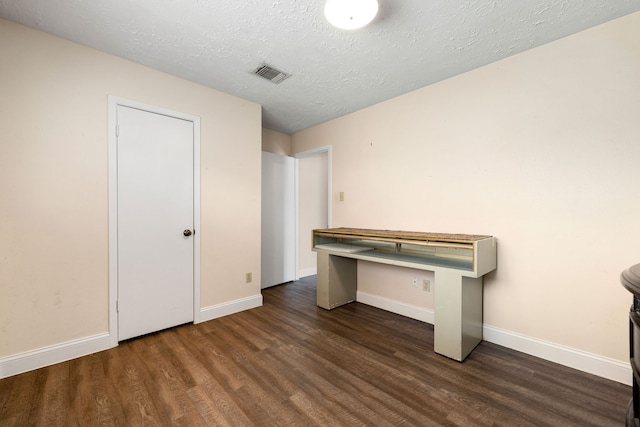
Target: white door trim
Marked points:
296	217
301	155
314	152
114	102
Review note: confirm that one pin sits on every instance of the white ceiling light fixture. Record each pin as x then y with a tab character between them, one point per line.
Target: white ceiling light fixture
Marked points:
350	14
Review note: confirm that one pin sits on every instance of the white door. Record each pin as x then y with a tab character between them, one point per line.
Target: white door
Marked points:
155	178
278	219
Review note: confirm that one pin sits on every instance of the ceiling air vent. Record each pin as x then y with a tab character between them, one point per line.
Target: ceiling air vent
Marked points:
270	73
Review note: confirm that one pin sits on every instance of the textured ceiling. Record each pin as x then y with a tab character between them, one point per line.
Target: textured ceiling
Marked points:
218	43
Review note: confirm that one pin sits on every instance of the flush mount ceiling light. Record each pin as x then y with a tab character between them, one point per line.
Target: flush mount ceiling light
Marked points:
350	14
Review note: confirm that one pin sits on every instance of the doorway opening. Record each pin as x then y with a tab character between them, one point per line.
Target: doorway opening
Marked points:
313	207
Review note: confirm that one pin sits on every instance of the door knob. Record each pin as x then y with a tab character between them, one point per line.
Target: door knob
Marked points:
187	233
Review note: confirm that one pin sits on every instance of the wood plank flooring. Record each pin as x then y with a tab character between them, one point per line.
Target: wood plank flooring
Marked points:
290	363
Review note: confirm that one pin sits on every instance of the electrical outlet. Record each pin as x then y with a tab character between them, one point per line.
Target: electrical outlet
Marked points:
426	285
414	282
248	277
342	196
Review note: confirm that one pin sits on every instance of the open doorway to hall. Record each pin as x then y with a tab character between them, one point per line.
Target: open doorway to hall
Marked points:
295	200
313	203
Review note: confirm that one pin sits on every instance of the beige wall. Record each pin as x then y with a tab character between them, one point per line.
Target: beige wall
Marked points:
53	175
540	150
276	142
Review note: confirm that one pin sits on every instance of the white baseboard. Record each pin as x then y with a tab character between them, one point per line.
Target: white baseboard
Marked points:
45	356
581	360
407	310
306	272
227	308
587	362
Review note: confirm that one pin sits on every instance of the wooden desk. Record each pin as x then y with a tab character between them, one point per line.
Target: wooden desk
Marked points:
458	261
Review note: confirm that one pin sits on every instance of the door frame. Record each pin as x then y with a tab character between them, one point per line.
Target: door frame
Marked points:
114	102
309	153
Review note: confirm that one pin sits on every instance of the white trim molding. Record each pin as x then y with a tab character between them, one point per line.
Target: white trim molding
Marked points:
306	272
604	367
581	360
50	355
301	155
601	366
315	152
231	307
404	309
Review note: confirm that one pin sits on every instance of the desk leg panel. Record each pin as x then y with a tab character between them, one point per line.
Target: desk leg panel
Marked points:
471	314
457	314
336	280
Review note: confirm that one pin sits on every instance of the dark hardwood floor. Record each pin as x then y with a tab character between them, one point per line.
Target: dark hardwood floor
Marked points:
290	363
